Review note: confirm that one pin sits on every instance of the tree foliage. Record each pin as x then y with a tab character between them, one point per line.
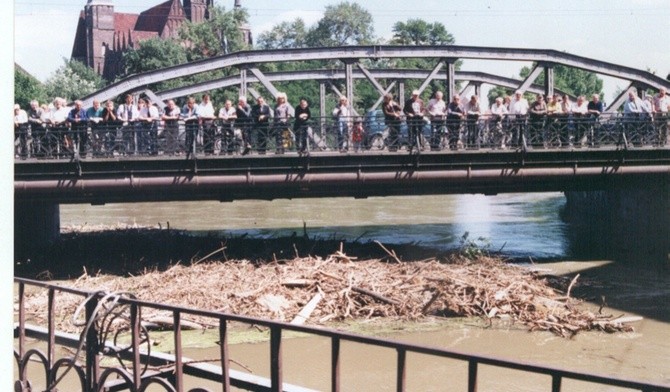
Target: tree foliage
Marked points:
72	80
285	35
342	24
27	88
420	32
570	80
220	34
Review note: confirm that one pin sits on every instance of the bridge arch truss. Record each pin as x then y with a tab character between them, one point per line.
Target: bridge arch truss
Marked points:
350	57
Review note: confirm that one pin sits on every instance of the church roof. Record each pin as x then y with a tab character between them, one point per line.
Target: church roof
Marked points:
155	18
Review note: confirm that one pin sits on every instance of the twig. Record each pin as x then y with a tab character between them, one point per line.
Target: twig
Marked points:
392	254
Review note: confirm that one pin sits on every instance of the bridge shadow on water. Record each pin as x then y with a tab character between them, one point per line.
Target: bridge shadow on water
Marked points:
634	281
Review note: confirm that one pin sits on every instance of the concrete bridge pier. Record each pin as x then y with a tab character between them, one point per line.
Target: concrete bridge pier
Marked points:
36	224
631	224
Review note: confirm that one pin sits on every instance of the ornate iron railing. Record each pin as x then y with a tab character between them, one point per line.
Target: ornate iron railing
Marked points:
106	315
218	138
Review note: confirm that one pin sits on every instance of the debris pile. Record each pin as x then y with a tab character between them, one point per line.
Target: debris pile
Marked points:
317	290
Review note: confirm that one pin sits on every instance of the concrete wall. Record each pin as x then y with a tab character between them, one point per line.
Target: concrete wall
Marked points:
35	224
627	224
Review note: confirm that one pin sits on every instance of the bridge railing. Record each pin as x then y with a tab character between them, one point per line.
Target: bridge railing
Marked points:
113	329
201	138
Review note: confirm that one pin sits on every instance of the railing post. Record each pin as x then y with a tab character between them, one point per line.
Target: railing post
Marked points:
178	365
135	328
92	349
472	375
401	370
335	364
225	366
555	383
276	359
51	343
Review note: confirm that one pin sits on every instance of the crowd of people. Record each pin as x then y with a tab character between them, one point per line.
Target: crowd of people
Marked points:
134	125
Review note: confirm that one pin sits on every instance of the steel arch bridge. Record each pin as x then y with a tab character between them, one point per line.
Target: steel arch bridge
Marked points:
350	57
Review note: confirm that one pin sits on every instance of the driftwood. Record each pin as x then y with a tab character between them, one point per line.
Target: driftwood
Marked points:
339	287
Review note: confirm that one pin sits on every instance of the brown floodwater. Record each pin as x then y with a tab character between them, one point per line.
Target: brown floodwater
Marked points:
524	226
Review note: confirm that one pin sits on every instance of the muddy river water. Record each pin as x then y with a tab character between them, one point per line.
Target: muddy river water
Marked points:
522	226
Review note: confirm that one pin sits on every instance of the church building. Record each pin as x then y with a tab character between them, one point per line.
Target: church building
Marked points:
103	35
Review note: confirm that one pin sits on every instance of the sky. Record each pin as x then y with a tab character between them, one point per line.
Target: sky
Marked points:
634	33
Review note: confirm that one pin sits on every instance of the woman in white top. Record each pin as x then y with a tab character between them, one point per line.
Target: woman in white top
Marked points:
342	113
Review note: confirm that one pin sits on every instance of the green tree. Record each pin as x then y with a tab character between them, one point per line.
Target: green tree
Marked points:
27	88
420	32
285	35
72	80
342	24
573	81
220	34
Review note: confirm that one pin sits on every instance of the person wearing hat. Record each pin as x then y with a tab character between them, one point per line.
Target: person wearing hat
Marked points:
413	110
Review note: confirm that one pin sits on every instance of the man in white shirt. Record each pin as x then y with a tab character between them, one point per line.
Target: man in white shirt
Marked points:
205	113
498	113
662	108
518	110
20	131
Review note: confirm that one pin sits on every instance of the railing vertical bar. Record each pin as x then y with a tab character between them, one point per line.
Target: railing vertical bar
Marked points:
401	371
472	376
22	319
276	359
92	349
335	364
135	327
178	363
556	383
51	325
225	363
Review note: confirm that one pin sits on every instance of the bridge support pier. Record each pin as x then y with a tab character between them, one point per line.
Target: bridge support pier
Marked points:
35	225
628	224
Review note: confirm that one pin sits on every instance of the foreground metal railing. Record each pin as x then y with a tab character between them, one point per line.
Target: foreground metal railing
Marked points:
200	138
139	368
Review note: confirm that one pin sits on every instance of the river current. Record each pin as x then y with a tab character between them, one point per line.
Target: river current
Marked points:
521	226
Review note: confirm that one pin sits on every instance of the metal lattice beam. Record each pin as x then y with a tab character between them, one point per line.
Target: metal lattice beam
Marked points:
353	53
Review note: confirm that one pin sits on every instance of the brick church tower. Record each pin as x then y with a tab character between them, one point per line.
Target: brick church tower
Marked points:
104	35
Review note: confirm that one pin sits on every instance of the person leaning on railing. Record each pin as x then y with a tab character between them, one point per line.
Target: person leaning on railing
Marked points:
437	110
170	117
227	116
518	110
94	114
282	113
554	120
662	108
190	117
261	115
20	132
537	112
472	111
206	116
342	114
595	108
455	115
632	109
498	114
393	119
110	124
244	122
148	133
129	114
413	111
300	124
580	113
78	122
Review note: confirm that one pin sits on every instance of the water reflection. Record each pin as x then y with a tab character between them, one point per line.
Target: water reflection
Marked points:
520	225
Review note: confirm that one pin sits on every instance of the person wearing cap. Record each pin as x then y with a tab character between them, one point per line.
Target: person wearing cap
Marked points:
414	110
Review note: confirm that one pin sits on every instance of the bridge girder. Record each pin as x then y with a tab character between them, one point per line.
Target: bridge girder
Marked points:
352	54
328	75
